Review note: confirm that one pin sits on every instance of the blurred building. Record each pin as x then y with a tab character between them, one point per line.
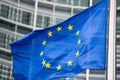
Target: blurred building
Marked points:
17	19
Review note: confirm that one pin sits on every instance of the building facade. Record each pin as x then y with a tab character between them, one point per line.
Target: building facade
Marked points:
17	19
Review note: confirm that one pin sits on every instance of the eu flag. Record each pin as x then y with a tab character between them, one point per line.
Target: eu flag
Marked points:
65	49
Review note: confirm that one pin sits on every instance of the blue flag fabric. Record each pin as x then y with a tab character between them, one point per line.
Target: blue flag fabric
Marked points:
65	49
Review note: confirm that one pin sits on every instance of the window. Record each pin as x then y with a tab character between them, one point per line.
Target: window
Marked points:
118	44
118	25
58	20
95	1
23	30
39	21
9	39
0	71
62	1
19	15
13	14
5	40
43	21
4	11
46	21
81	2
18	36
2	40
5	74
76	2
118	3
26	18
84	3
75	11
118	22
7	25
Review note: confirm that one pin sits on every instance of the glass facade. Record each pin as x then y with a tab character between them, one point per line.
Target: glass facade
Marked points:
16	20
71	2
6	72
118	3
4	11
26	18
43	21
118	42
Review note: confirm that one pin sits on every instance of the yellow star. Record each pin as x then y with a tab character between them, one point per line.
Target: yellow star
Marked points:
41	53
70	27
48	65
59	67
43	62
69	63
77	53
78	32
59	28
79	41
44	42
49	34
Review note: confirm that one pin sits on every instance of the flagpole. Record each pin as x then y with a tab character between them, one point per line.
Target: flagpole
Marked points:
35	14
111	42
87	74
88	70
